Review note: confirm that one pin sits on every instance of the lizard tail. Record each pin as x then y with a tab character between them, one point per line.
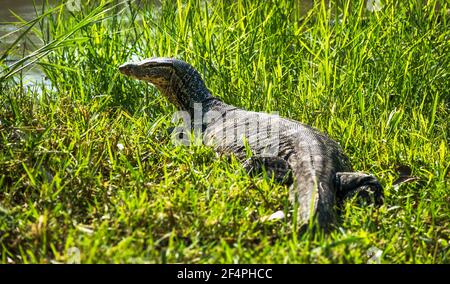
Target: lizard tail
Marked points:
312	194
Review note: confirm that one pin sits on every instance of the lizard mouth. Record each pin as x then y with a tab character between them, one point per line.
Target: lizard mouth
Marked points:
125	69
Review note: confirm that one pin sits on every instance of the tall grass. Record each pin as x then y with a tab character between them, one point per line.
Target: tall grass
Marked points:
87	162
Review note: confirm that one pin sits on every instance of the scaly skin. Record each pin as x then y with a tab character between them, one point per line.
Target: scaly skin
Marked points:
320	174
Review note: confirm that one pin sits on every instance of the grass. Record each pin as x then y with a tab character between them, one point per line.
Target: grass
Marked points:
86	163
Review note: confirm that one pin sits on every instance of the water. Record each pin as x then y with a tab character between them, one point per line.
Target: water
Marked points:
25	9
22	7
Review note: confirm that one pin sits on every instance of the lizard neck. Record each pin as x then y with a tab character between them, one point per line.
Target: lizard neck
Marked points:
188	92
185	89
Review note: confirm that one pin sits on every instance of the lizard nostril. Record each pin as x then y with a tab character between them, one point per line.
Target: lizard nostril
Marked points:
123	68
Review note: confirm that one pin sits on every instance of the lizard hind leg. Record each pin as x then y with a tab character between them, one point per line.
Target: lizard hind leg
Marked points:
274	167
366	188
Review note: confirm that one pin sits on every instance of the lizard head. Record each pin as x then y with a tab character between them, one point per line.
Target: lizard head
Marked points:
175	79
